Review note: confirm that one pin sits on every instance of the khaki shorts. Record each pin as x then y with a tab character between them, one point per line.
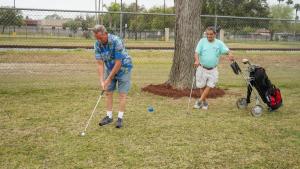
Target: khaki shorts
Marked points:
206	77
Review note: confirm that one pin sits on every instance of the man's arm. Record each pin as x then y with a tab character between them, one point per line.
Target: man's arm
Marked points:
101	72
196	60
115	69
230	56
197	53
226	50
112	74
118	46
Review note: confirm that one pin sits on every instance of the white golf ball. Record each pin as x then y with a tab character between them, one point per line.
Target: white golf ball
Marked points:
82	133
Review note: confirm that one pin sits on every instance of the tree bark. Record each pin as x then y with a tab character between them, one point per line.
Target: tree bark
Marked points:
187	34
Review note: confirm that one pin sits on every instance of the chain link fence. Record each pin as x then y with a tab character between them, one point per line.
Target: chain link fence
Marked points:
69	25
60	28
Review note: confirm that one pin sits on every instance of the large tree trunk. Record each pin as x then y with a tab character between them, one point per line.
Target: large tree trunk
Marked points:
187	34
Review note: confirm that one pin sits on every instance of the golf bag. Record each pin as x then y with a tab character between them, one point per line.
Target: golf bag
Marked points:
268	92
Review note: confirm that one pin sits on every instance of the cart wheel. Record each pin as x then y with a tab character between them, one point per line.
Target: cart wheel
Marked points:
257	111
241	103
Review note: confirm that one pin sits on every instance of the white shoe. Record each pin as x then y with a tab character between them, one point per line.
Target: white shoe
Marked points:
198	105
205	105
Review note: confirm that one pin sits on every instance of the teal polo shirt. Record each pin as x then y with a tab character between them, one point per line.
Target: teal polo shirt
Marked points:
209	53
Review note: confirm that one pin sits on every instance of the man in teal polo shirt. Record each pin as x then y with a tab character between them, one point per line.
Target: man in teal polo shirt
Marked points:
207	56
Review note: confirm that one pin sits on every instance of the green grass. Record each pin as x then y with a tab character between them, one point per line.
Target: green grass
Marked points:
37	41
47	96
56	41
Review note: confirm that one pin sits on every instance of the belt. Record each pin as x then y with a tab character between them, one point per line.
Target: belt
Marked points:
207	68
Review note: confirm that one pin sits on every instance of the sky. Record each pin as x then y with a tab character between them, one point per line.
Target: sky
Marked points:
87	4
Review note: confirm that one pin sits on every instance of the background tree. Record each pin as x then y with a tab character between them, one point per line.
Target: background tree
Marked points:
253	8
54	17
241	8
72	25
280	11
187	34
82	22
113	20
10	17
137	23
297	24
131	20
289	2
161	22
297	8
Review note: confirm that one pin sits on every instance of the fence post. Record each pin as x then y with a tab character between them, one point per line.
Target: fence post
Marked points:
26	30
222	35
216	22
295	27
167	34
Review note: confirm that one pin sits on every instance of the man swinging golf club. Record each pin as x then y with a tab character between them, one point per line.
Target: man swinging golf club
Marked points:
207	55
114	68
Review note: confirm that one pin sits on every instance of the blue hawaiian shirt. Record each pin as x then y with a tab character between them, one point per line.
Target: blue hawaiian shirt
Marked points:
113	50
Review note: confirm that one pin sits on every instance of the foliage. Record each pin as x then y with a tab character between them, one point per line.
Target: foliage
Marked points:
241	8
73	25
54	16
253	8
139	22
281	11
10	17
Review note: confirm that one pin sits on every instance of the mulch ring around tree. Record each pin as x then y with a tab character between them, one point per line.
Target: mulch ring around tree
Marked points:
168	91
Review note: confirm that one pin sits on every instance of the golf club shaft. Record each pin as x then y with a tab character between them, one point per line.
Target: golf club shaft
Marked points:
88	122
191	93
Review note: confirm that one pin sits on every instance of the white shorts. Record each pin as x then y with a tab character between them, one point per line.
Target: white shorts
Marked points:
206	77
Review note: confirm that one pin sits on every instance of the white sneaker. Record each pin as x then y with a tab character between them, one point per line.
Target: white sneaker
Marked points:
205	105
198	105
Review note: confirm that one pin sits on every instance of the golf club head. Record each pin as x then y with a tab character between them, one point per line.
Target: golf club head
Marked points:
245	61
235	67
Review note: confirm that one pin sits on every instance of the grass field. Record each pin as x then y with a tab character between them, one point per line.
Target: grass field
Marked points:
139	43
47	96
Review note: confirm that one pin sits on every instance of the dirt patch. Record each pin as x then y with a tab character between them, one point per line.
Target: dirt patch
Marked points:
169	91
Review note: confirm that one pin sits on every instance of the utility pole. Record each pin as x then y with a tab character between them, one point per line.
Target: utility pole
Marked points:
121	20
96	16
216	19
164	19
164	13
16	13
135	27
102	19
99	17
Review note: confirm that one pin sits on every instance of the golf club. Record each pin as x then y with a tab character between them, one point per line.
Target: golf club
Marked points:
88	122
246	61
188	109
